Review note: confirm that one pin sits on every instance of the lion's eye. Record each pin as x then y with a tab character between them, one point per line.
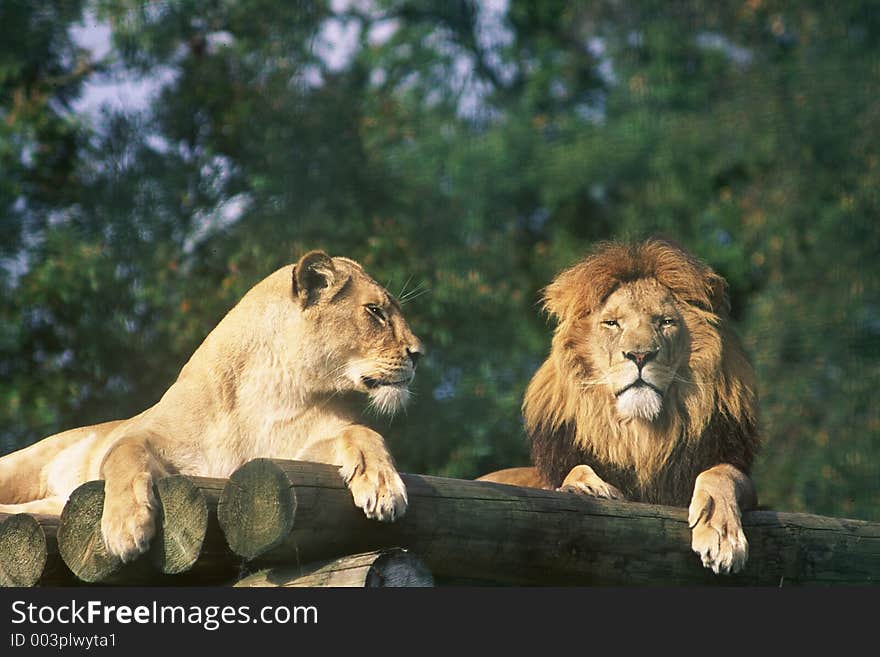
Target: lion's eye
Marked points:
376	313
667	321
611	322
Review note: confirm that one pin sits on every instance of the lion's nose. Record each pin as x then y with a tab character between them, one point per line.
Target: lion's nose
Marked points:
414	354
639	357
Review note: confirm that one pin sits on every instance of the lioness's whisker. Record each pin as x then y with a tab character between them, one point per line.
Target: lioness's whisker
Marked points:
415	293
403	289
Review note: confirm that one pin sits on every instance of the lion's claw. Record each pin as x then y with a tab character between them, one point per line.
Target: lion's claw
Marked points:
583	479
606	491
717	534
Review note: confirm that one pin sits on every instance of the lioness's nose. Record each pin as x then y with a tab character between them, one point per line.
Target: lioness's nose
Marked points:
639	357
415	350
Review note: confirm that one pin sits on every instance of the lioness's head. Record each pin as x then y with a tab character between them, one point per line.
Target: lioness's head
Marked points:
636	322
359	338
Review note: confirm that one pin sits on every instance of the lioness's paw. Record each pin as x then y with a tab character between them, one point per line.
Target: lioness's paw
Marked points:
378	490
717	534
128	520
584	480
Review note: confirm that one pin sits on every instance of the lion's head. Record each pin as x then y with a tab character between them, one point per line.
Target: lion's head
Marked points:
640	341
642	364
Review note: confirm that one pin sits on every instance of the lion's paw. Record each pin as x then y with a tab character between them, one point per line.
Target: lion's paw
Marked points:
584	480
128	520
717	534
378	490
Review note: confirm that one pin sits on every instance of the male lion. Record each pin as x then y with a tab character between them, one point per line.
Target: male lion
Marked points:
277	377
646	394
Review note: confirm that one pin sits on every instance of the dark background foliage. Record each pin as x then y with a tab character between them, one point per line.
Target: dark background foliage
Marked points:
464	152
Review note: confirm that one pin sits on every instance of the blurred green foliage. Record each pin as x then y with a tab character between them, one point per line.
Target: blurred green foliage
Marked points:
464	152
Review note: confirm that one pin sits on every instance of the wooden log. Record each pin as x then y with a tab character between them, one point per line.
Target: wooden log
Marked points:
285	511
377	569
22	550
188	542
29	551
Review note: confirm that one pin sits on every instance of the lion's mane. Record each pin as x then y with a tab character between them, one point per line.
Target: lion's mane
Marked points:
710	413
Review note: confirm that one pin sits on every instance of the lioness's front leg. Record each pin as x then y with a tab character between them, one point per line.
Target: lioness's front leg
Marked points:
369	472
721	493
583	479
128	520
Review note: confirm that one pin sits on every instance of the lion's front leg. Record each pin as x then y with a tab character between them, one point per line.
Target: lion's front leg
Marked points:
721	493
128	520
583	479
369	472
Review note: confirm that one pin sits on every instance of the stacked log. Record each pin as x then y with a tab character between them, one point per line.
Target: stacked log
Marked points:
276	511
296	524
188	546
29	551
392	568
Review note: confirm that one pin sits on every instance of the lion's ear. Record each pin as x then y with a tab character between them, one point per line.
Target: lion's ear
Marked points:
312	275
718	295
564	296
579	290
556	300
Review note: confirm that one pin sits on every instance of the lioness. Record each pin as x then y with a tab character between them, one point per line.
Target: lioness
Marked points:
277	377
647	393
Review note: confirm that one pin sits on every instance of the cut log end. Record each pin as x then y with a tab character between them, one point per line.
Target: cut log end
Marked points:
257	508
23	551
183	523
398	568
180	532
79	535
394	567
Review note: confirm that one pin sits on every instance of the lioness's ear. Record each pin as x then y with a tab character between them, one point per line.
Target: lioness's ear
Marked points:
313	274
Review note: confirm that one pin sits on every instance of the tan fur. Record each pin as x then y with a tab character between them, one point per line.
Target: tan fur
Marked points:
528	477
279	376
690	439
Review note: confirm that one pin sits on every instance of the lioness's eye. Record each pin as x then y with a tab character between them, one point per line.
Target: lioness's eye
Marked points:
667	321
376	312
610	322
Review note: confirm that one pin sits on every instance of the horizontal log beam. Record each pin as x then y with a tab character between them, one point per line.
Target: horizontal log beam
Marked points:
294	512
283	513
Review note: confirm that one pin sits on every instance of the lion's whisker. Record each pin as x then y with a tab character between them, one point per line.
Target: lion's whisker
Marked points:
594	382
681	379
